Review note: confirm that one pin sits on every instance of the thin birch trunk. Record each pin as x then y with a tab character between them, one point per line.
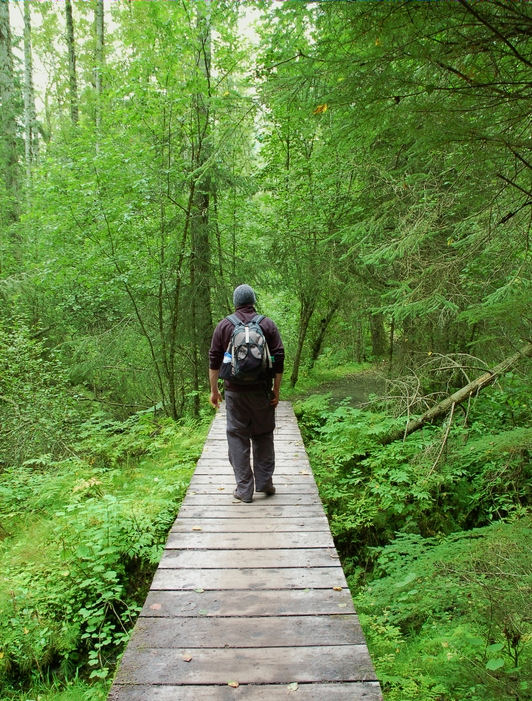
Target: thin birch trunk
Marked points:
99	22
72	77
8	124
31	143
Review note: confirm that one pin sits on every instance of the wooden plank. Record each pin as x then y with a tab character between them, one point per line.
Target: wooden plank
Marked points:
236	559
241	510
346	691
277	499
290	483
251	525
290	602
227	487
249	578
249	541
273	631
267	665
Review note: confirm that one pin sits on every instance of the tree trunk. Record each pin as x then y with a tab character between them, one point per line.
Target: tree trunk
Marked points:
305	315
99	55
390	353
30	120
200	259
72	77
378	337
460	396
8	123
322	330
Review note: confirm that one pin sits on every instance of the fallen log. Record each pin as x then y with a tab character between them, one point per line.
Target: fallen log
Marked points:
459	396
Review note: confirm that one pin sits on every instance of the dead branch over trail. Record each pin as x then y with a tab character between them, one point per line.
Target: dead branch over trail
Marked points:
460	395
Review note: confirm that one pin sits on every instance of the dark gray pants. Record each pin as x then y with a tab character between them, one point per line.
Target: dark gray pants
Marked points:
250	423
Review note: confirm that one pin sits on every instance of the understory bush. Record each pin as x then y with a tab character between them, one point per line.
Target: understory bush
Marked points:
449	618
435	539
80	539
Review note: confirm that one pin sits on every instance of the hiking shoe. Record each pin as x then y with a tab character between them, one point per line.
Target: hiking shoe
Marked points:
269	491
237	496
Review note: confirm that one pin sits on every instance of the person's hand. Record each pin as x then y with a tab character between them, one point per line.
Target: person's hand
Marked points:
215	399
275	399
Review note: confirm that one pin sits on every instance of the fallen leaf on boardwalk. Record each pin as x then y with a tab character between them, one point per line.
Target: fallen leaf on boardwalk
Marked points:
196	528
338	588
186	658
234	685
294	686
199	590
221	489
342	606
304	472
156	607
203	612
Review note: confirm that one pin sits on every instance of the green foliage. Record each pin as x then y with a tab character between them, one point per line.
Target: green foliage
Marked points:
371	490
37	410
81	539
448	617
435	541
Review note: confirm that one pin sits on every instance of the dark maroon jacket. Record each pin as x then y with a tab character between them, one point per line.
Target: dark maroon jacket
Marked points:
222	335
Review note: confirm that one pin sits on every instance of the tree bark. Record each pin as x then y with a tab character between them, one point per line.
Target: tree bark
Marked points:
99	55
322	330
378	337
460	396
30	120
200	259
305	315
72	76
8	123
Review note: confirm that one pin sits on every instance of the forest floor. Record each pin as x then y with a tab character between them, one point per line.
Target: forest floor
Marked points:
354	388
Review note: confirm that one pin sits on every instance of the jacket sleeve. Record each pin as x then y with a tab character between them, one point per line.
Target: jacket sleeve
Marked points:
217	349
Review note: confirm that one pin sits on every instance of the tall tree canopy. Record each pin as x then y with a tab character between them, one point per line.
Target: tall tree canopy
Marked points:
366	166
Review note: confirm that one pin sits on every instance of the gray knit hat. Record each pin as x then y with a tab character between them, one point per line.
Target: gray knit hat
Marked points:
243	294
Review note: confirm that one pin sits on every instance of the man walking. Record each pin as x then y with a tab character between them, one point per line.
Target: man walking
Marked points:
251	405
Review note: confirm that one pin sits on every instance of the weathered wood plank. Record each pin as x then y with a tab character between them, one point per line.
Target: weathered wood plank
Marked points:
249	541
274	631
241	510
267	602
250	578
217	499
251	525
246	665
219	466
288	483
236	559
350	691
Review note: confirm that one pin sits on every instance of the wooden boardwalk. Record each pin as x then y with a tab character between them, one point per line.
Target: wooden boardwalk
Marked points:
248	593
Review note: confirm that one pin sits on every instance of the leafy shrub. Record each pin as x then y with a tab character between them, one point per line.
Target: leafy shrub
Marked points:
448	618
421	485
37	412
82	538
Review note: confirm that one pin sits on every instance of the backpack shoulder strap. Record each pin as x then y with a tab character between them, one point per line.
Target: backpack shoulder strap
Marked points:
233	319
258	318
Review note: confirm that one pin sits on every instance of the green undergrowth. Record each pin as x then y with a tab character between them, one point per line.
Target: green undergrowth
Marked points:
434	536
80	540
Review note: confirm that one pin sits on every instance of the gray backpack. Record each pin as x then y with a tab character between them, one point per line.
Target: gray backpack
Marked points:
247	358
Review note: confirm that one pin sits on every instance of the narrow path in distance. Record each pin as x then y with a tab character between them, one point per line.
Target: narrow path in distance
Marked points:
248	594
